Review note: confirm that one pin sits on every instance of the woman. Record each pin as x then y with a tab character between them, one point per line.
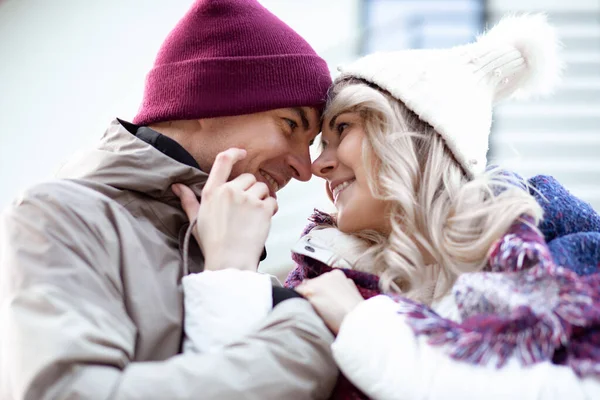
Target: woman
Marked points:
470	283
404	145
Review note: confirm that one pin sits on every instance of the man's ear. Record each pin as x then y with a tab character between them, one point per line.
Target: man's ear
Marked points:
178	129
202	126
161	126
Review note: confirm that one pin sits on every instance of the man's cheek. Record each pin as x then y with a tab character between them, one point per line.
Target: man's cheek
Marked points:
236	171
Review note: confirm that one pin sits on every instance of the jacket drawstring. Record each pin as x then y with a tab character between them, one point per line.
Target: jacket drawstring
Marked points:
186	246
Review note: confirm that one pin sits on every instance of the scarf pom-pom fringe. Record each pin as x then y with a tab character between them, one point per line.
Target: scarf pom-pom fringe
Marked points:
490	338
523	335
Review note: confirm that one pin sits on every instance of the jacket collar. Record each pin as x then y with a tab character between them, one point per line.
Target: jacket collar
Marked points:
331	247
144	163
161	142
123	161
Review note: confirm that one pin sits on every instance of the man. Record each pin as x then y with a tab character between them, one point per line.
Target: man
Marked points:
91	265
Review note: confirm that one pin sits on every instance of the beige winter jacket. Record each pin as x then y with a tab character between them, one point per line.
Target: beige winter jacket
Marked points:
91	301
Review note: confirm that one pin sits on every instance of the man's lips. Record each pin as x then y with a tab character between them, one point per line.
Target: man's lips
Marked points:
273	183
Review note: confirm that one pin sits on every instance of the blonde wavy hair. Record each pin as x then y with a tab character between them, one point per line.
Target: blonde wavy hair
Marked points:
443	223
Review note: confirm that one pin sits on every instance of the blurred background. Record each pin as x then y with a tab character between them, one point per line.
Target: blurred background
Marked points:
68	67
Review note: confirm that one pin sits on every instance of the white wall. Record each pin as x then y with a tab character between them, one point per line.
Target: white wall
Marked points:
68	67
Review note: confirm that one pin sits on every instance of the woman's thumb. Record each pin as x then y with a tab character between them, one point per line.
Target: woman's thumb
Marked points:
188	199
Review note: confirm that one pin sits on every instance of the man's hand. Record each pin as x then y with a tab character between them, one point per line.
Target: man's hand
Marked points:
234	217
333	296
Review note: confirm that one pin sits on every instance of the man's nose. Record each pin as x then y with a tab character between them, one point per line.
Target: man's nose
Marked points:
300	165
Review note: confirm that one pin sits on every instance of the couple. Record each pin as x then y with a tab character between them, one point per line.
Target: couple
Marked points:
117	282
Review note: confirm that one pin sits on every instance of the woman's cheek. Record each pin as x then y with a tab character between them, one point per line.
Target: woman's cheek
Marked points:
350	149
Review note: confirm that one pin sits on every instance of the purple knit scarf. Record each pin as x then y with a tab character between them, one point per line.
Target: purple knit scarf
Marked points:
522	306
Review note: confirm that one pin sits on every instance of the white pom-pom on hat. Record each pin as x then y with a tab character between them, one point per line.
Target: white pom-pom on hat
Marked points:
539	46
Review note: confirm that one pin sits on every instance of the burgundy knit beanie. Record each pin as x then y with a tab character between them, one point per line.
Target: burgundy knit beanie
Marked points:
231	57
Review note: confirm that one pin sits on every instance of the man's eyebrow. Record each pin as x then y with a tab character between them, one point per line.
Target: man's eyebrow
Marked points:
302	115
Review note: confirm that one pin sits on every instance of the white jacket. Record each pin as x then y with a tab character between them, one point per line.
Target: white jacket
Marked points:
397	365
380	354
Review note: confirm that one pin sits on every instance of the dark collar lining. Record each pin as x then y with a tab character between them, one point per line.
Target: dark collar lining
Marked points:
162	143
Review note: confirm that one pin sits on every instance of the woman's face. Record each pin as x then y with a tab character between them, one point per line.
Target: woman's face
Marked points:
341	165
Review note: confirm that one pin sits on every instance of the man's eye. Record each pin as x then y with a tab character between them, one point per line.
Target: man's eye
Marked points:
291	123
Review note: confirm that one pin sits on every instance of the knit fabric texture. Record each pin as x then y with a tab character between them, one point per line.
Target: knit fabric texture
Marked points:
231	57
454	90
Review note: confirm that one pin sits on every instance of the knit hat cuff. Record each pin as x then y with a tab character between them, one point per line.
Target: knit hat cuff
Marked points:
216	87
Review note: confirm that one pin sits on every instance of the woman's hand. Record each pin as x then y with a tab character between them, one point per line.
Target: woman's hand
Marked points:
234	217
333	296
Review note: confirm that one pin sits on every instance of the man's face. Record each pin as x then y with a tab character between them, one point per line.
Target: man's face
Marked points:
277	144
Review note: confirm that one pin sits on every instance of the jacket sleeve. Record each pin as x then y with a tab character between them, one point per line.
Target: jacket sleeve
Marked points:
222	307
65	331
398	365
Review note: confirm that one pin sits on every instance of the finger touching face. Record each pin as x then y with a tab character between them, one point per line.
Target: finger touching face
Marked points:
223	166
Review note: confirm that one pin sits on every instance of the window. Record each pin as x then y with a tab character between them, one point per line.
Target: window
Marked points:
402	24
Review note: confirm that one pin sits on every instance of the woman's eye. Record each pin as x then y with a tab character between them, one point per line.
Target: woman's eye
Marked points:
341	127
293	125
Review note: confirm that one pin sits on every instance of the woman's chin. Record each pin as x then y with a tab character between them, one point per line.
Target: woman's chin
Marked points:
345	223
346	229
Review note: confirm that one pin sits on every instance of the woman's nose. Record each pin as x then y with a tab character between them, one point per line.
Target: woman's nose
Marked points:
324	165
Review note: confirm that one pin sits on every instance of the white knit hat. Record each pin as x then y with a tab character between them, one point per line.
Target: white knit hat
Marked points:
454	90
